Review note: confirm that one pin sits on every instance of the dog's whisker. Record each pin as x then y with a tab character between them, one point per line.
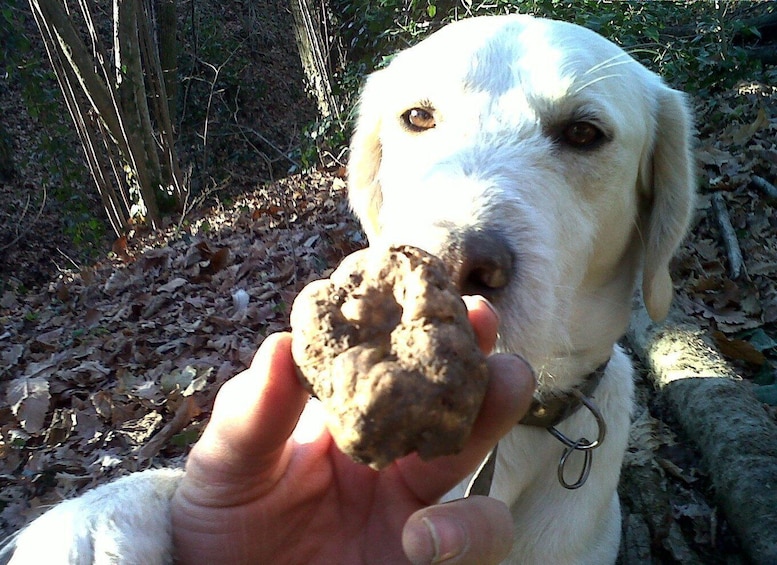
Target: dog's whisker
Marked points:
614	61
594	81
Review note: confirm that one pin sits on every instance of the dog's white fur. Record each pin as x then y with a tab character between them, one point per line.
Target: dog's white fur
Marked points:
581	225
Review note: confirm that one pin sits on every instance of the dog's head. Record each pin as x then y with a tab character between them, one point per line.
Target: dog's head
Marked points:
543	163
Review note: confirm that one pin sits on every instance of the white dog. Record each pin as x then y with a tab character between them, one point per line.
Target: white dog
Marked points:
552	171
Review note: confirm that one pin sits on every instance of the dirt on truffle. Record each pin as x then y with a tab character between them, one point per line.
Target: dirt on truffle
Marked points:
387	347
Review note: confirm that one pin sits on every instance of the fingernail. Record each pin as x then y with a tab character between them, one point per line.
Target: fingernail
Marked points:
471	300
491	307
448	538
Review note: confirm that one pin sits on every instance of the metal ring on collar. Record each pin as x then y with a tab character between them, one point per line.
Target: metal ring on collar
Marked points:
600	423
581	444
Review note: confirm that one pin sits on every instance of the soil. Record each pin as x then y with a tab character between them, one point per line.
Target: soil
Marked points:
128	339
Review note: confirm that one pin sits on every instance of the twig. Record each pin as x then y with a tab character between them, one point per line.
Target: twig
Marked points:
767	188
30	224
69	258
283	154
216	72
735	263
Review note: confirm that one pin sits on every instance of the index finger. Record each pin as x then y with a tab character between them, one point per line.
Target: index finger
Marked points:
484	320
253	417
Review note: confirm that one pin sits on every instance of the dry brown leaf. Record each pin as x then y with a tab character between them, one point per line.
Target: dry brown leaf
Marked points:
743	134
29	399
172	285
218	261
738	349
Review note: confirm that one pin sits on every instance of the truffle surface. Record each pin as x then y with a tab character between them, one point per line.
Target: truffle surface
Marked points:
386	345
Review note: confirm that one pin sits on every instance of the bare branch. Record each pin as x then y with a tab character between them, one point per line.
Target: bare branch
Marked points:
767	188
736	266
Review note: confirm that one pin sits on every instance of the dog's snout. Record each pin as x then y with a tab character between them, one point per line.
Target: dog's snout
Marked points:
486	263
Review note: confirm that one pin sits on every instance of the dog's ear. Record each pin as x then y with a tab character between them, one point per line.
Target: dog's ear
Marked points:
671	198
364	192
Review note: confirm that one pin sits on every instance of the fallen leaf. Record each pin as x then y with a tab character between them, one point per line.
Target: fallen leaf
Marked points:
738	349
12	355
172	285
92	316
218	261
8	300
29	399
746	132
50	340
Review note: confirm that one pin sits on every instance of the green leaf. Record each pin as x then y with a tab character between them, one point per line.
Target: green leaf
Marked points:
187	437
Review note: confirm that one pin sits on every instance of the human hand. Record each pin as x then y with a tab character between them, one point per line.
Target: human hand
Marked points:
266	483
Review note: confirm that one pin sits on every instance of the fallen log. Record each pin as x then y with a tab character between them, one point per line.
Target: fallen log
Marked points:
719	413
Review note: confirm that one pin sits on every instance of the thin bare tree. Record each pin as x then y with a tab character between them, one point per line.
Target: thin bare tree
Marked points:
318	50
117	95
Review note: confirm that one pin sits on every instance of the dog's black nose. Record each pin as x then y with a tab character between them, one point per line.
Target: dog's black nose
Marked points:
486	263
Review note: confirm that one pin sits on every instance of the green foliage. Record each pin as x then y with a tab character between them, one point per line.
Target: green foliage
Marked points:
324	137
31	316
690	43
12	40
187	437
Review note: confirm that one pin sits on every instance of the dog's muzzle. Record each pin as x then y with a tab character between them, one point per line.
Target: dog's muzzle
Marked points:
482	262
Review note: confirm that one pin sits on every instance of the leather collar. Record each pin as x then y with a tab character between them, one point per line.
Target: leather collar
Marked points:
550	409
547	411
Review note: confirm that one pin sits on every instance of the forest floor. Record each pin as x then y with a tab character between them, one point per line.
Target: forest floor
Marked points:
110	364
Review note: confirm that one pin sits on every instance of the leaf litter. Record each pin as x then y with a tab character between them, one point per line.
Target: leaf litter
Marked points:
115	368
670	514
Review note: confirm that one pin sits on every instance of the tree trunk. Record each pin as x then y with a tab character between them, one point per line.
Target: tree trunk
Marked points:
167	34
173	191
130	87
315	50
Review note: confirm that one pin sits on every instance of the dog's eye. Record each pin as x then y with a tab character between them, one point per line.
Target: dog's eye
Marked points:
418	119
582	135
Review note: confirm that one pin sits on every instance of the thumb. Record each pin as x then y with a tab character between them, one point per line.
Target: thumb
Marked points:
477	530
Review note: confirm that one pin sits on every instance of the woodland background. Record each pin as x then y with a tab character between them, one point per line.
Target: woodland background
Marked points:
157	224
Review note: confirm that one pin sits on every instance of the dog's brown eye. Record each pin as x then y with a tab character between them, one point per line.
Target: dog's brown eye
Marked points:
582	134
418	119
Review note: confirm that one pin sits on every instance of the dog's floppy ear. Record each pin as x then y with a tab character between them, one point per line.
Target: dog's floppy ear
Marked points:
671	197
364	191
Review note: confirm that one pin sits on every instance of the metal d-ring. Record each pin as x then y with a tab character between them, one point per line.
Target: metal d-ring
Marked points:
581	444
